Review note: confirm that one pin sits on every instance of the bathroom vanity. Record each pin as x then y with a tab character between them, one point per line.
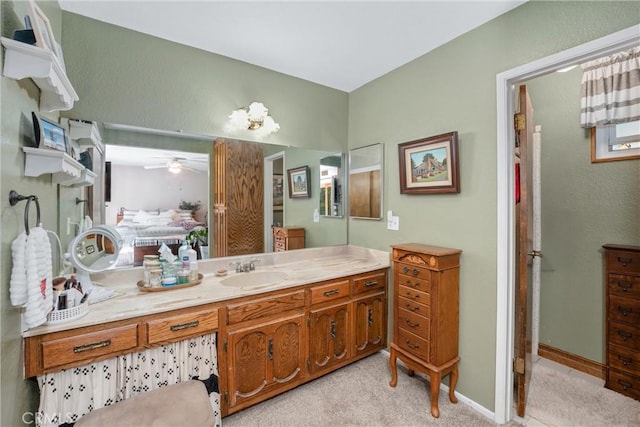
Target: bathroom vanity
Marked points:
328	311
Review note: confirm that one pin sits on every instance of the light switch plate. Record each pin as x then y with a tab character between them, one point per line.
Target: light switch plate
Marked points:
393	223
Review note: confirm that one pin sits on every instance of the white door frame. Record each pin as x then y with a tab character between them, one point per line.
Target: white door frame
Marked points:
268	199
505	83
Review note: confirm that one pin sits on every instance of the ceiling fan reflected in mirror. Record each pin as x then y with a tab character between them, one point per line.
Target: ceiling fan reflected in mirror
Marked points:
176	165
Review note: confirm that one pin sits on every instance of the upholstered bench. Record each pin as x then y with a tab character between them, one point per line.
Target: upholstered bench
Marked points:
182	404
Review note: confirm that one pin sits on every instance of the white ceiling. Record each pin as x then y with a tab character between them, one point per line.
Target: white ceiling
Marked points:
339	44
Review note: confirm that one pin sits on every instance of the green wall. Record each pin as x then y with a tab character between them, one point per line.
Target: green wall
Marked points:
454	88
19	398
127	77
584	205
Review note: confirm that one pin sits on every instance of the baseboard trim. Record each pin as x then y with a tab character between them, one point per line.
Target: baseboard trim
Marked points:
461	397
576	362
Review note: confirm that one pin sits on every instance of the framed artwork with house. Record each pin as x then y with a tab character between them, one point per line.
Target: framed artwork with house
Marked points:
430	165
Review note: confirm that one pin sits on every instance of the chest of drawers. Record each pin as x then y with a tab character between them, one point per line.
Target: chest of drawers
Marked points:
288	238
622	277
425	318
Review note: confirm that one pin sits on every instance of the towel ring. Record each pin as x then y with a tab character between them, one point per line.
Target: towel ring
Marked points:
14	198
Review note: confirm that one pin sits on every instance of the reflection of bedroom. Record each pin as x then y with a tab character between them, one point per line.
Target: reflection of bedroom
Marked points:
149	188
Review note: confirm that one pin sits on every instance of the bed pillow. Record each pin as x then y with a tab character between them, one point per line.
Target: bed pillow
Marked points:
145	217
183	216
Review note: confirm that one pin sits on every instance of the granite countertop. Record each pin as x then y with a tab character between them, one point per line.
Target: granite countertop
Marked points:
301	267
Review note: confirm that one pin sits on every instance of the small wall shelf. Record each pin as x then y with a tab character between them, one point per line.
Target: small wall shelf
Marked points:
62	166
86	134
23	60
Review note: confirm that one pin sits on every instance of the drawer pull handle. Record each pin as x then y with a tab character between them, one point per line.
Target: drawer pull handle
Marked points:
624	334
270	349
416	296
414	285
405	270
625	385
412	325
626	286
625	310
331	292
416	272
370	283
413	346
624	261
333	330
370	316
412	308
92	346
187	325
626	361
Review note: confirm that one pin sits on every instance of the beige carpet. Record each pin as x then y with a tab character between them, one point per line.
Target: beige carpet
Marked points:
560	397
358	395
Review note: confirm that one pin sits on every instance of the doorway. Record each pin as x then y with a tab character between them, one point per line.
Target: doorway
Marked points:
273	196
506	83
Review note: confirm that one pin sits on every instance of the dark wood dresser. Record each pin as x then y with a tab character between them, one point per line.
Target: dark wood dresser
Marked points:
425	314
288	238
622	276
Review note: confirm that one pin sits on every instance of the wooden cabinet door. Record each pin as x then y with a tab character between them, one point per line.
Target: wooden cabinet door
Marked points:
329	336
369	323
265	359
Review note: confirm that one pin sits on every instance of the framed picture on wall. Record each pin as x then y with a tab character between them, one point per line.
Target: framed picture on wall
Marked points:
49	134
42	28
430	165
299	185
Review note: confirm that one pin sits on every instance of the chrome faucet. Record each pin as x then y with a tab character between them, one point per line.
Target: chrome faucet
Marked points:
244	267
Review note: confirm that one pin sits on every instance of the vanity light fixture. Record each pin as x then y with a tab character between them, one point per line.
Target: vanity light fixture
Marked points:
255	118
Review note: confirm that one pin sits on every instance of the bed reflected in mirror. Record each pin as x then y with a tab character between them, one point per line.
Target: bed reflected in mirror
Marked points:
151	205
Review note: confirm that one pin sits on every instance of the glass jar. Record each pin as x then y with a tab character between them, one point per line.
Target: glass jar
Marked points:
155	278
148	265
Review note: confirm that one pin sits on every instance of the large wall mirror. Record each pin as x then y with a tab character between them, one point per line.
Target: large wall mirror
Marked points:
365	182
331	186
161	183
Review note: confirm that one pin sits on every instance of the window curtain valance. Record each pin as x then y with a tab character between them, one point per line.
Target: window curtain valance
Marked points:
611	89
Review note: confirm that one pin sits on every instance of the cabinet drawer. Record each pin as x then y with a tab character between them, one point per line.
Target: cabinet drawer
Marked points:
623	335
414	295
414	344
413	322
58	352
369	283
329	291
420	284
625	310
623	261
262	307
626	384
624	360
415	307
175	327
413	271
627	286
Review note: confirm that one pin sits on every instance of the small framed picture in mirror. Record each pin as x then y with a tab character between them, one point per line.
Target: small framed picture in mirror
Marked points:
299	182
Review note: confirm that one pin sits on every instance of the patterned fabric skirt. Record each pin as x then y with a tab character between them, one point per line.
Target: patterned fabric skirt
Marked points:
67	395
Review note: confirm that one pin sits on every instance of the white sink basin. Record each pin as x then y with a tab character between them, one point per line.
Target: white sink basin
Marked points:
254	279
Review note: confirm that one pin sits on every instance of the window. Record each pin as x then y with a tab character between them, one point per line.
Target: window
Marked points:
615	142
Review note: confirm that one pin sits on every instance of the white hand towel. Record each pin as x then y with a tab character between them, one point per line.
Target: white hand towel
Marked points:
39	278
18	282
